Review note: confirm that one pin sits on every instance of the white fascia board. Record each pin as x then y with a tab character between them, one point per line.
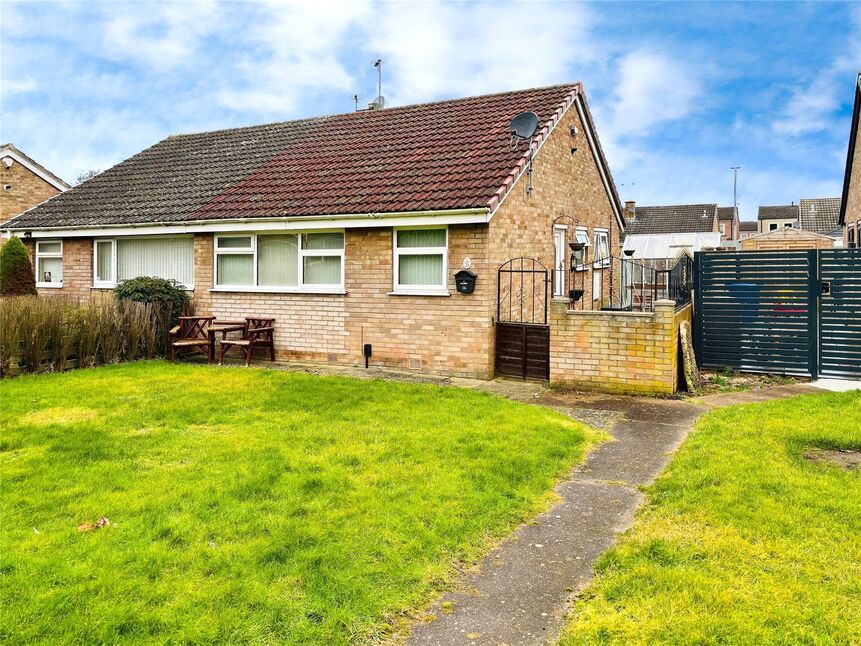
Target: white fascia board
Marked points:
36	171
366	220
590	136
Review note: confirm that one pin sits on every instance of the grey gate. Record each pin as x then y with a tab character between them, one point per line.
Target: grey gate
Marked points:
788	312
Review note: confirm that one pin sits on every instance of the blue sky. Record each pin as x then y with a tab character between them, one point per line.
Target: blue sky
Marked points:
680	91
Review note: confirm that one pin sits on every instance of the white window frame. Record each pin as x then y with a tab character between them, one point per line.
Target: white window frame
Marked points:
560	269
581	234
301	288
48	254
603	262
722	229
113	281
419	290
110	284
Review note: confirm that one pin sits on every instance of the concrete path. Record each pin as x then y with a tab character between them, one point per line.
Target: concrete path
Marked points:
523	588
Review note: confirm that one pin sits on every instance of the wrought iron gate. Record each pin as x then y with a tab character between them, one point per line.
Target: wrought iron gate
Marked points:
522	333
789	312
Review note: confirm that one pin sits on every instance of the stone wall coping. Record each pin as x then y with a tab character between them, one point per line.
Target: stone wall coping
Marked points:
610	314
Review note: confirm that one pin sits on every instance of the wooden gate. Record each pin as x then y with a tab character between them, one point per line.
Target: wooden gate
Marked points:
522	333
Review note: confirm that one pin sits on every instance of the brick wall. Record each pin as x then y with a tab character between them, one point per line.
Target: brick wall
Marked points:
443	334
565	184
626	352
853	199
77	268
26	189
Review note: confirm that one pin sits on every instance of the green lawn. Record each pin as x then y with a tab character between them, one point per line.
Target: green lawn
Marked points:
253	506
744	541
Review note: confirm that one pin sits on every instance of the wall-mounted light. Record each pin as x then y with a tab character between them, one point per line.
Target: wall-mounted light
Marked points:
28	235
8	161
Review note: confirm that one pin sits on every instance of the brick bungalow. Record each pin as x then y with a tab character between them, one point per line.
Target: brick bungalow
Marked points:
349	229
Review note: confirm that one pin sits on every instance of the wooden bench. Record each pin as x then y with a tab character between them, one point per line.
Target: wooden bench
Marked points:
258	333
191	334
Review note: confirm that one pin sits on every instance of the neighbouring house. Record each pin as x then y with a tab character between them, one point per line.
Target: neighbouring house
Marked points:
26	182
350	229
662	234
746	229
822	216
785	238
728	223
850	205
772	218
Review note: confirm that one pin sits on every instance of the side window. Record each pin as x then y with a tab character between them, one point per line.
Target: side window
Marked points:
49	263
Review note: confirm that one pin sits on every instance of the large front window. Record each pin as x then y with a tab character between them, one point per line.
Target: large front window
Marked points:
280	262
49	263
116	260
420	261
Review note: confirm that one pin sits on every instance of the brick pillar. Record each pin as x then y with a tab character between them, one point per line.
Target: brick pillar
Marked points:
203	268
668	351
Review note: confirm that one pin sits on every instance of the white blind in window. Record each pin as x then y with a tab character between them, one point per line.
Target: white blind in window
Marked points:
171	258
277	260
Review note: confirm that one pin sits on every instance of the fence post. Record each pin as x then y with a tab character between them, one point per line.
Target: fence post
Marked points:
698	307
813	291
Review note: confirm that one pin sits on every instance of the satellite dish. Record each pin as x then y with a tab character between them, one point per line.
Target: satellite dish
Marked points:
378	104
524	125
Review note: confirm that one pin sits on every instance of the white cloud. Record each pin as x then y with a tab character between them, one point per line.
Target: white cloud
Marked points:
652	89
436	49
160	35
18	86
295	51
812	105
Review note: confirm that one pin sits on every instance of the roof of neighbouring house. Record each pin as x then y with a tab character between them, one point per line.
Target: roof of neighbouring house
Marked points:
787	232
727	213
679	218
748	225
441	156
850	153
785	212
9	150
819	215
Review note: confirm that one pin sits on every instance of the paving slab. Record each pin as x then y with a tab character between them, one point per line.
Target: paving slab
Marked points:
837	385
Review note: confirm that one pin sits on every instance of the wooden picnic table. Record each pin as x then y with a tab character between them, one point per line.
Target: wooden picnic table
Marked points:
223	327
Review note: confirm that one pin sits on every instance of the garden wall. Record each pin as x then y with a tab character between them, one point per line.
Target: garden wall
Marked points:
624	352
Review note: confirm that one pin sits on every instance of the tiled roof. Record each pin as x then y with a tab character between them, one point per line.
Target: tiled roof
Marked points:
680	218
438	156
787	212
820	215
727	212
746	225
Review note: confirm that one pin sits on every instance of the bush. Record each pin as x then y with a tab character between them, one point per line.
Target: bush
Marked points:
159	291
16	272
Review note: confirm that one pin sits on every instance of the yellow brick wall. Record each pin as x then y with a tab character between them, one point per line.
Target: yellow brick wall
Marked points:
853	199
26	189
77	268
565	184
623	352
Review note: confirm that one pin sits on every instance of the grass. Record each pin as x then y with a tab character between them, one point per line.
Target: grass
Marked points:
253	506
743	540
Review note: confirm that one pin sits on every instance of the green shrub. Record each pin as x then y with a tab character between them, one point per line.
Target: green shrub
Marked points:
16	272
159	291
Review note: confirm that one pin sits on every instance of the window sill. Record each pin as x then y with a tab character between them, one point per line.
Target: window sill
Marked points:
49	285
189	288
338	291
420	292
